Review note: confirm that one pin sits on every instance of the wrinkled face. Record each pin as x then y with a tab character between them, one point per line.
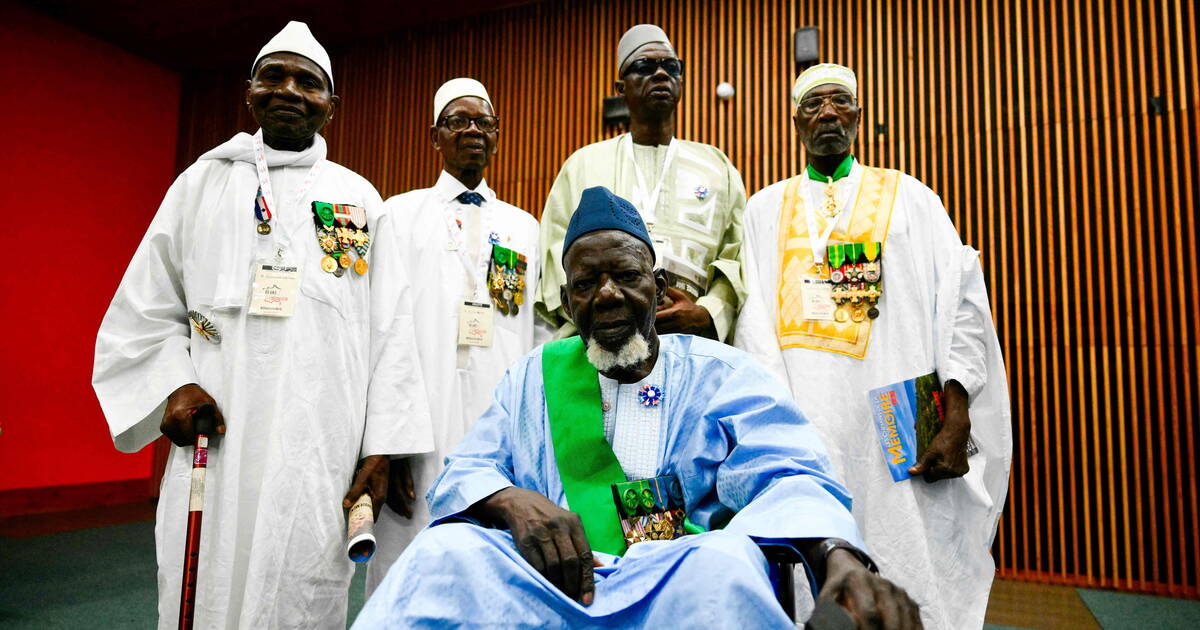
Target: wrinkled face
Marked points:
290	97
656	93
827	120
611	289
470	148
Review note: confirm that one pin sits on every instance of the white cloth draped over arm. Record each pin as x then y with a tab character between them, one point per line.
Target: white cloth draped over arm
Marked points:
398	417
142	349
968	351
961	307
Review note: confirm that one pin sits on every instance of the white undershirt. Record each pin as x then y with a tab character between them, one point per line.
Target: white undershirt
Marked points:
634	430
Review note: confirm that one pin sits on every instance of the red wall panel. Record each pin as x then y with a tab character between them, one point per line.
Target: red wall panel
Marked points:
90	137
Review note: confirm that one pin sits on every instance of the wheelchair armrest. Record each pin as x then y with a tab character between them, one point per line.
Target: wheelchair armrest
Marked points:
777	553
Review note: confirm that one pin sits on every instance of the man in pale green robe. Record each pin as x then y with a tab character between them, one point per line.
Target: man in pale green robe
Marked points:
689	195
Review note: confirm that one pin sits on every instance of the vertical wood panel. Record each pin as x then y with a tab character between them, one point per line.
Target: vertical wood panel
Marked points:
1032	120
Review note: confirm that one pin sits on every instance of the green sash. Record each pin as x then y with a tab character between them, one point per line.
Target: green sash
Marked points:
586	462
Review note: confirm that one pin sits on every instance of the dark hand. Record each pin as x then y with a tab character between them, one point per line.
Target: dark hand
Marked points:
371	476
872	601
548	537
679	314
400	494
177	422
946	455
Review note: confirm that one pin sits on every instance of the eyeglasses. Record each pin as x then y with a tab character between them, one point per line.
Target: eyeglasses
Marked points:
841	101
486	124
648	67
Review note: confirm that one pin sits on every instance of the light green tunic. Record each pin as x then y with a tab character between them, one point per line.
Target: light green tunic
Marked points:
697	226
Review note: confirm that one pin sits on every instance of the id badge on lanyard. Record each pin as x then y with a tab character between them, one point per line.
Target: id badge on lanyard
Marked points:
276	281
476	317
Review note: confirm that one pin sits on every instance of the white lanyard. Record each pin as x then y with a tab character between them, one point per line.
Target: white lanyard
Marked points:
818	240
458	241
264	178
648	205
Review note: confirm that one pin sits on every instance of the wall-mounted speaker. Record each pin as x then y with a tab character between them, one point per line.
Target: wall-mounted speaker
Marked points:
615	112
807	46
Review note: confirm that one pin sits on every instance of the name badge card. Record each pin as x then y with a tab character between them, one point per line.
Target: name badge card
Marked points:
816	297
475	324
273	293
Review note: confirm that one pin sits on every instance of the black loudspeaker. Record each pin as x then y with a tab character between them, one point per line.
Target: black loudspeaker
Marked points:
616	112
807	45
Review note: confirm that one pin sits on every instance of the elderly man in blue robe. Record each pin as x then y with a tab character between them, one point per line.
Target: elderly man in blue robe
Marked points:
622	479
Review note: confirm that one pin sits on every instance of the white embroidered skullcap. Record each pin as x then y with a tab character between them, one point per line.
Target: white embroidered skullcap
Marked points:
456	89
635	38
296	38
823	74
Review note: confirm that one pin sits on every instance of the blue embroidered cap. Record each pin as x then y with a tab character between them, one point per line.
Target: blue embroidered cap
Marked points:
600	209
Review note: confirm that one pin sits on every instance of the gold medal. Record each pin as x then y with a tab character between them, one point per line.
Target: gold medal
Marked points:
344	260
859	314
264	228
328	264
360	266
841	315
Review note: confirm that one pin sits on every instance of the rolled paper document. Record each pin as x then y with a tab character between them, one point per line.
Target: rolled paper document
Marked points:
360	530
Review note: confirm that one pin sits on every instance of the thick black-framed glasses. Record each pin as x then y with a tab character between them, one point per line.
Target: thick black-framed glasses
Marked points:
456	123
647	67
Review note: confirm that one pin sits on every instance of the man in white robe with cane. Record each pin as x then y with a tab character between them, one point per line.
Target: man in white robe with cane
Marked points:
256	290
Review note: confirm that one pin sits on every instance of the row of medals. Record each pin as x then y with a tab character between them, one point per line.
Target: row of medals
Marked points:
857	281
506	284
337	238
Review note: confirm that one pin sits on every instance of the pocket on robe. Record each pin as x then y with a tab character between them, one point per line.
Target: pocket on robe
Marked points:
332	292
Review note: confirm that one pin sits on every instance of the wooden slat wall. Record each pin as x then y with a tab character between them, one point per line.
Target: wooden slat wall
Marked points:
1032	120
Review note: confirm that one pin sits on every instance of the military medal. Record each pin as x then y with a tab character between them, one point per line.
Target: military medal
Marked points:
873	267
341	213
836	254
841	315
262	213
830	207
323	212
341	229
650	395
506	279
203	327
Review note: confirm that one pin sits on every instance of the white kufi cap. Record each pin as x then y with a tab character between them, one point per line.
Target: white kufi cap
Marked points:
823	74
456	89
635	38
296	38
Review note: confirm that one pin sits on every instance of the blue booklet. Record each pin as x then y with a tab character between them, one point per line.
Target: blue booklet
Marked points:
907	415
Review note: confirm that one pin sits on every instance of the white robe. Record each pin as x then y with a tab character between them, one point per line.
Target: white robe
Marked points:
304	398
932	539
459	379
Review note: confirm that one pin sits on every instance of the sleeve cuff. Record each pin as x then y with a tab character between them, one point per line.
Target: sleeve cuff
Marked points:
721	314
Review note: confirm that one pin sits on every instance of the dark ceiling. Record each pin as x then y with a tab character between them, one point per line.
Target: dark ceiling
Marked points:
197	34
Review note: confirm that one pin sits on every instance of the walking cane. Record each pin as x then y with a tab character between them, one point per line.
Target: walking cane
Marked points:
204	420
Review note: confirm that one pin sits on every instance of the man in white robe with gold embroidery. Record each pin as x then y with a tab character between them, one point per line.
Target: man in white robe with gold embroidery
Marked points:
931	313
460	244
689	194
301	399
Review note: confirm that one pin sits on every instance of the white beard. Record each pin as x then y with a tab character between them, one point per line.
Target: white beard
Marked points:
631	353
